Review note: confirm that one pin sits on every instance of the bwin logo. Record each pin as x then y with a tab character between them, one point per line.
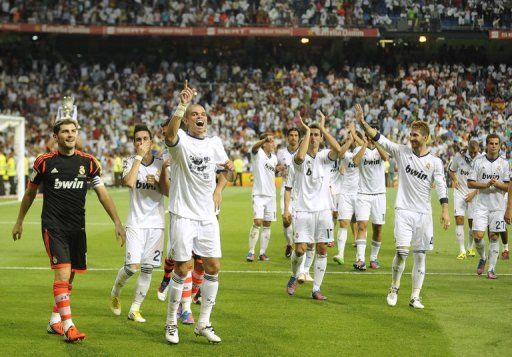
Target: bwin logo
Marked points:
371	162
64	185
490	176
144	185
418	174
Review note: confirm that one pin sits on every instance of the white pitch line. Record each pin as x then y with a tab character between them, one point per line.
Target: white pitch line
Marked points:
264	271
39	223
14	201
6	203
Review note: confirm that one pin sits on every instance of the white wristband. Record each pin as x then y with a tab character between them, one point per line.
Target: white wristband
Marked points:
138	157
180	111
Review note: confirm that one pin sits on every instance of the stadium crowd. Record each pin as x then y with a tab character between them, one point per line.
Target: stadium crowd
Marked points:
459	102
332	13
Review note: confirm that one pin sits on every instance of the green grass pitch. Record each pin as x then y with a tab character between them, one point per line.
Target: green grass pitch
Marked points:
464	314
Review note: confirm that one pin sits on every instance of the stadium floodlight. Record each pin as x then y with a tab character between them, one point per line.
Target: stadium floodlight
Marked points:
423	39
18	123
304	40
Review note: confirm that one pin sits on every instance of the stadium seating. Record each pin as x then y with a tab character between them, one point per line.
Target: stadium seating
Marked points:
459	102
389	14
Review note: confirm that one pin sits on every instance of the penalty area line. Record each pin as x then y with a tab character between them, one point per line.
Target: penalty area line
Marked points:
263	272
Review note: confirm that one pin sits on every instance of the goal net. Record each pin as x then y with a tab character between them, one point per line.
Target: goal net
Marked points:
12	138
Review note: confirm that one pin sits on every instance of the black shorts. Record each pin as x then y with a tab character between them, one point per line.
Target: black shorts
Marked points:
66	248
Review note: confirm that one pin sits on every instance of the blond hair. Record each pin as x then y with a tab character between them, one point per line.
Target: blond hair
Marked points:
421	126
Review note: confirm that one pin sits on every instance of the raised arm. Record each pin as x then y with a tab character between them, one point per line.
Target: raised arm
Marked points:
357	157
303	148
383	153
171	134
260	143
130	174
333	143
346	145
371	132
388	145
355	137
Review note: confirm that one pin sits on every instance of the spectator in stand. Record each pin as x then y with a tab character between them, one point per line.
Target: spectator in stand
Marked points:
460	102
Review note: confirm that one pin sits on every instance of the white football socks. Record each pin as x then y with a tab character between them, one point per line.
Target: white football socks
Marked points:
398	266
142	286
375	250
123	275
175	291
297	263
253	238
361	249
418	273
320	266
310	255
265	238
209	291
342	240
459	234
471	243
494	251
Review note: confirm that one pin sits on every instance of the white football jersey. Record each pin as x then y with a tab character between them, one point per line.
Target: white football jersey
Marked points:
146	202
350	182
415	177
372	179
483	170
285	157
194	165
264	173
461	165
336	177
311	183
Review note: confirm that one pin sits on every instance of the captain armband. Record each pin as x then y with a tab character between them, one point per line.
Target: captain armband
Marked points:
97	181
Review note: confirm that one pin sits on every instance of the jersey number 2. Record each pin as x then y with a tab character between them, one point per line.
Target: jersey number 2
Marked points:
156	258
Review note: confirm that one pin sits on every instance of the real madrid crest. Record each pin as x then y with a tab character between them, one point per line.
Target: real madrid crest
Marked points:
81	170
428	166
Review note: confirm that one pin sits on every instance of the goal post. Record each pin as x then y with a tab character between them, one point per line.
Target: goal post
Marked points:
8	122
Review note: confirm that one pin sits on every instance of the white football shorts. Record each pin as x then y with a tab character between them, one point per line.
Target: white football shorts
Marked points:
190	235
371	206
414	229
264	207
335	201
346	205
460	206
144	246
493	220
313	227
